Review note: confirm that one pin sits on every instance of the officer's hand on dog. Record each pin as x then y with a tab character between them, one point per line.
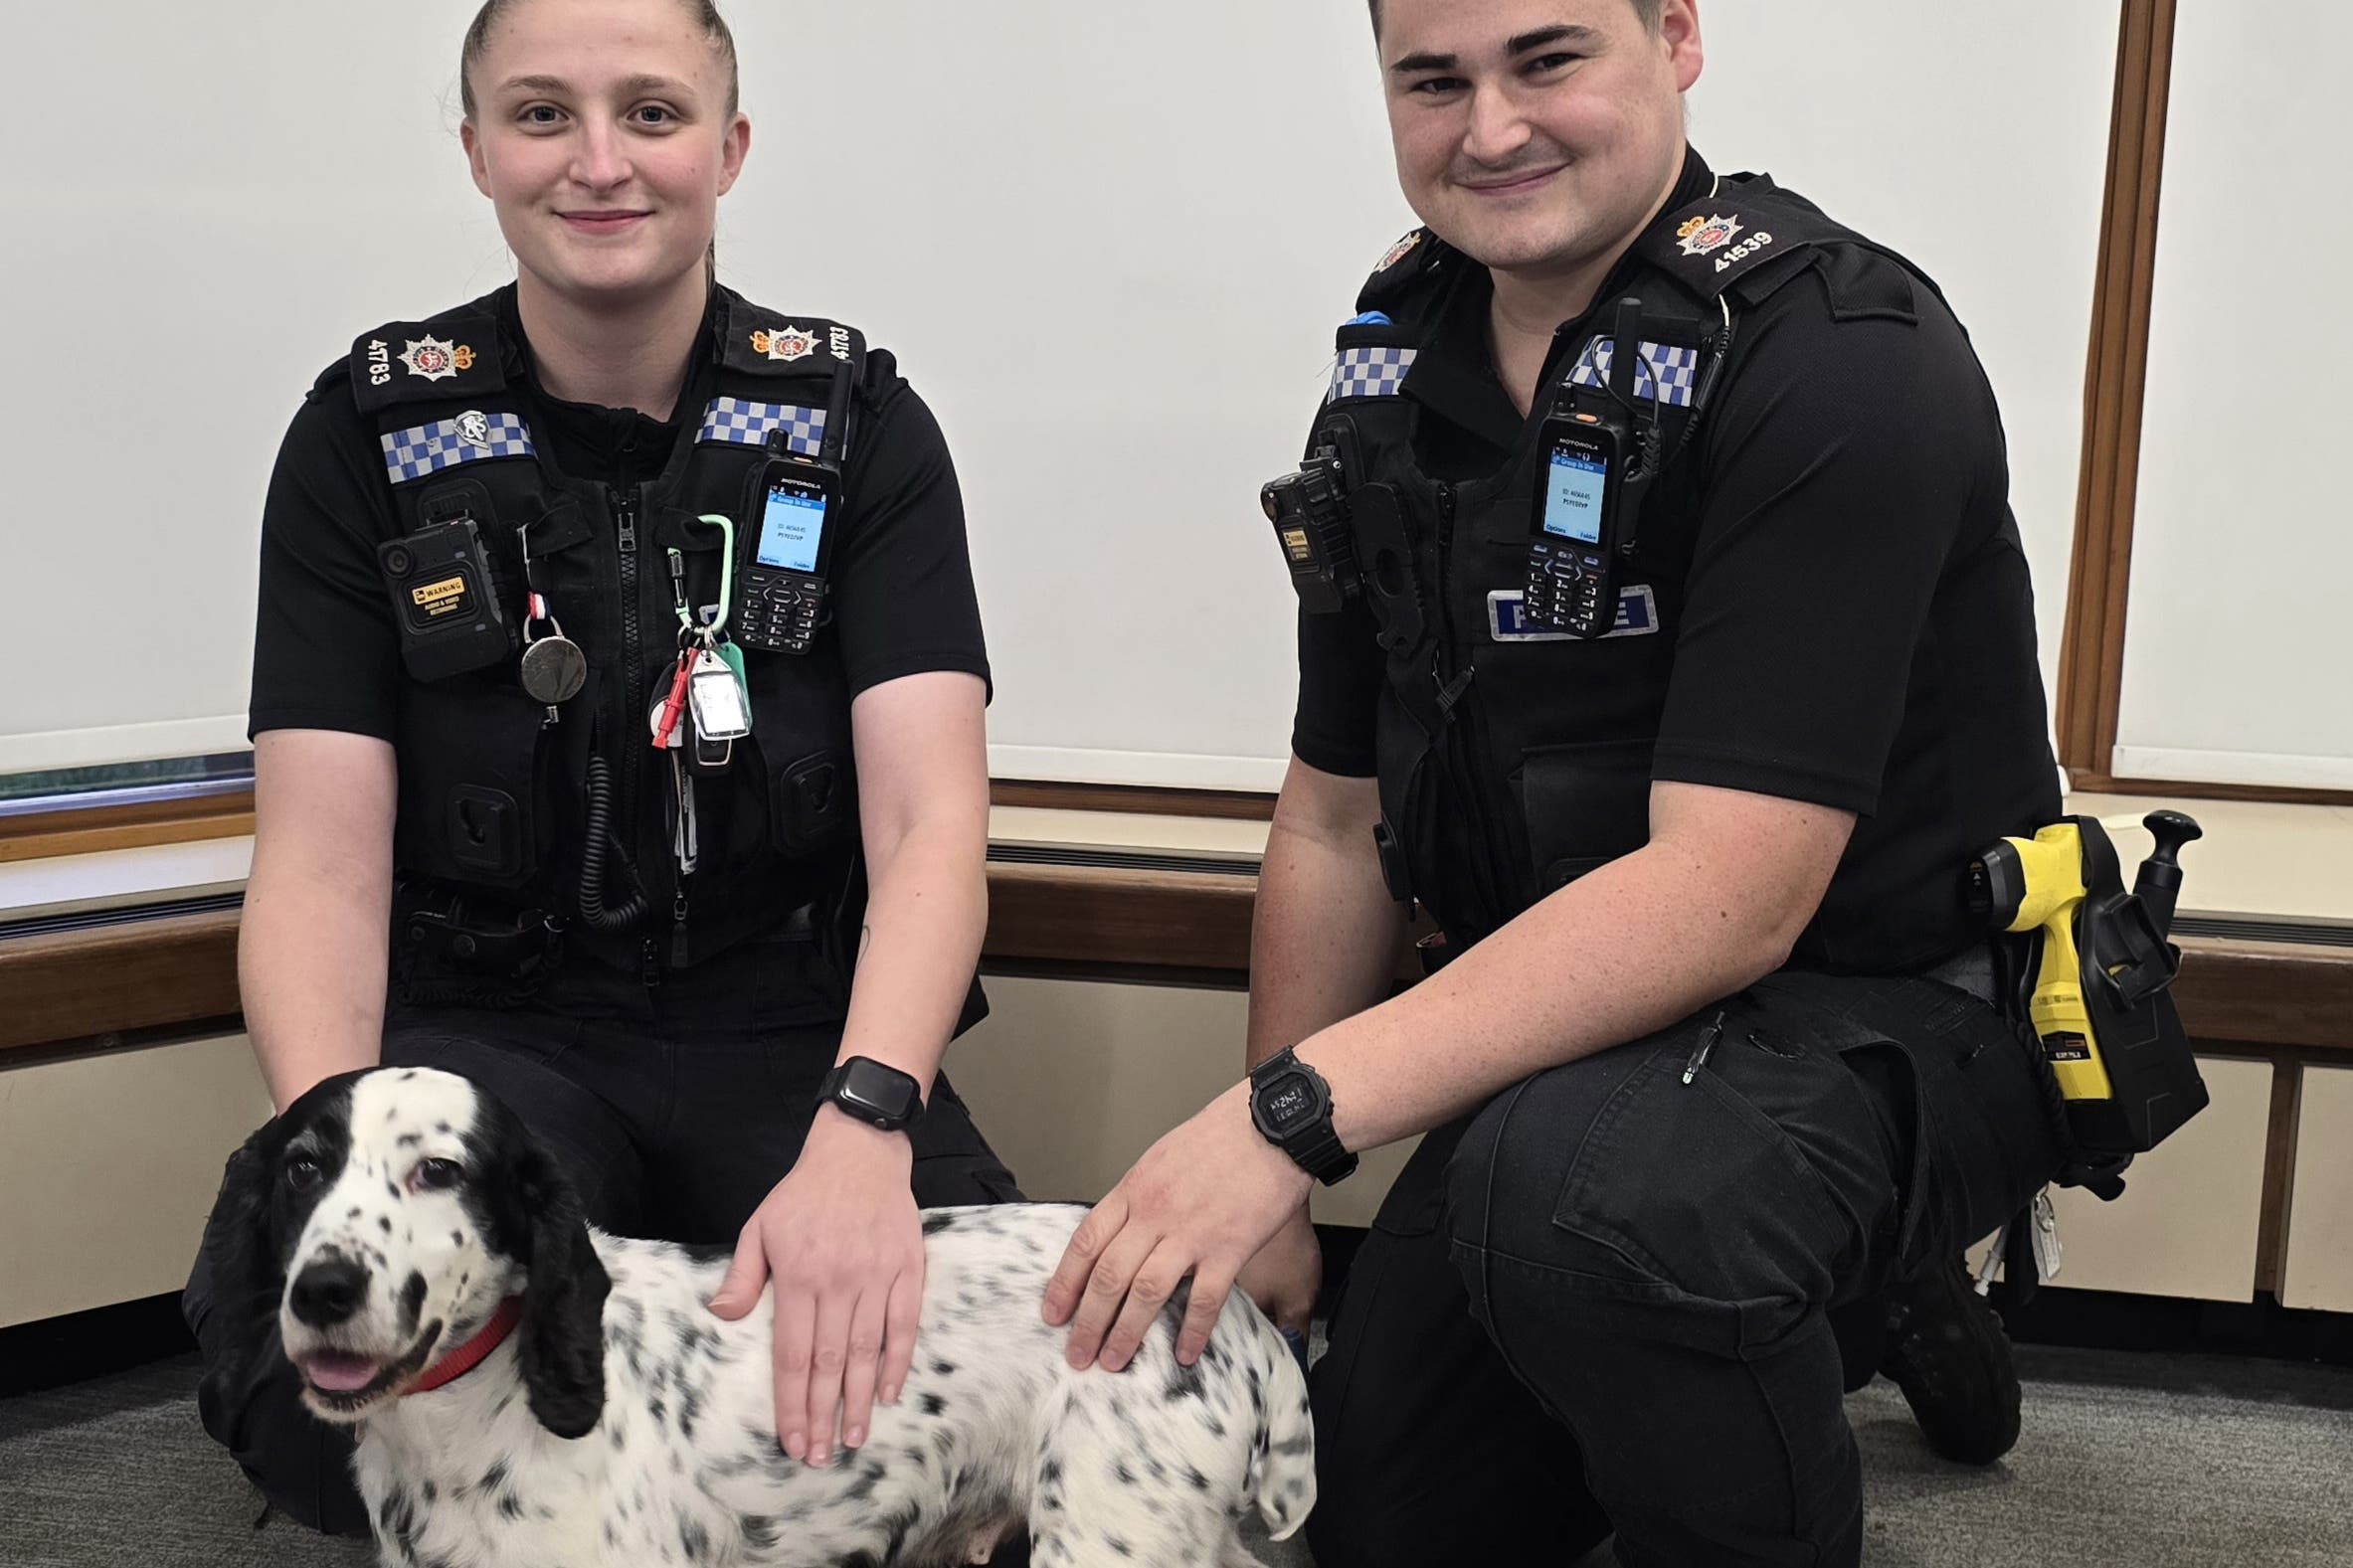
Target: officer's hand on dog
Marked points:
842	1241
1202	1201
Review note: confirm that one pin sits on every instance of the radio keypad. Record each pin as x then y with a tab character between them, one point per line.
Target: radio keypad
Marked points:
780	613
1563	587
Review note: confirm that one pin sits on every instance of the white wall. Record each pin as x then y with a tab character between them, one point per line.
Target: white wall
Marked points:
2236	664
1973	138
1108	241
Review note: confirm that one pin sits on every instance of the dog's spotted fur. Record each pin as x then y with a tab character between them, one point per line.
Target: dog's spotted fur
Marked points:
623	1424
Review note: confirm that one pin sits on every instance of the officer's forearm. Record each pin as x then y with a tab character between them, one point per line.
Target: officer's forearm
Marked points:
317	906
1624	950
310	960
1325	931
926	912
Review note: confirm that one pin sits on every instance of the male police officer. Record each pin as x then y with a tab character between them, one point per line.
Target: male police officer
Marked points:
1702	779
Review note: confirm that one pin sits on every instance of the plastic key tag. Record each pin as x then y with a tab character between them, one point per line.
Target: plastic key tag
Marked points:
720	712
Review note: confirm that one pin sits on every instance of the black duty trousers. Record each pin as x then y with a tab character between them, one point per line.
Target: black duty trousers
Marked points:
1604	1301
676	1109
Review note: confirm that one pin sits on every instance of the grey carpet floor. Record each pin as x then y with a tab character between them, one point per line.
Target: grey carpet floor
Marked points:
2144	1461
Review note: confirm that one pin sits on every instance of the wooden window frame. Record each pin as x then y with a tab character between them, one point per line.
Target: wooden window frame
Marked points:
88	829
2115	382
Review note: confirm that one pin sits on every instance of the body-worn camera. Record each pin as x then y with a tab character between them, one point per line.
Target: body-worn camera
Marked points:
781	595
441	595
1310	512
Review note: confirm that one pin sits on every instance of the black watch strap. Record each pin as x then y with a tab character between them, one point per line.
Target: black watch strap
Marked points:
1319	1152
875	1093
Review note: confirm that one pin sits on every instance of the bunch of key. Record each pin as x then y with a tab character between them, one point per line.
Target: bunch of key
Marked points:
708	708
698	720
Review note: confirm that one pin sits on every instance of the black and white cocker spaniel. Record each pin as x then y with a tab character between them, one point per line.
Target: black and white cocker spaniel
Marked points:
531	1393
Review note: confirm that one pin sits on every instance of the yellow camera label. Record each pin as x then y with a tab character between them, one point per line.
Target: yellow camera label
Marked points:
441	599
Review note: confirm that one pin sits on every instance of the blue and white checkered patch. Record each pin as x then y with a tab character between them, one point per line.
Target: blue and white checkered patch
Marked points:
1369	373
428	448
748	423
1672	367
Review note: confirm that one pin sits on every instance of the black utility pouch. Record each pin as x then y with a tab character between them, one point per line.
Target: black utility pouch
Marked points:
472	785
1586	806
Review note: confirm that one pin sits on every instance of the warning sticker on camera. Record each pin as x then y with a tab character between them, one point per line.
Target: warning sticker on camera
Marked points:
446	598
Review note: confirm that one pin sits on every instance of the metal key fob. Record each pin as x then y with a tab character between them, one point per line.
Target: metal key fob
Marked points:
720	711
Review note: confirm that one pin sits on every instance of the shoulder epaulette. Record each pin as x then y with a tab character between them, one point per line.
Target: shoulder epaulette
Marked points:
454	355
757	341
1746	224
1413	260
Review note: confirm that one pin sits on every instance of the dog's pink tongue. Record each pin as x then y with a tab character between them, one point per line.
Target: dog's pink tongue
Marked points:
339	1375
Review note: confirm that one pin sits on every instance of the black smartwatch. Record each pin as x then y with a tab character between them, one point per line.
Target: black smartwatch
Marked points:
877	1094
1291	1105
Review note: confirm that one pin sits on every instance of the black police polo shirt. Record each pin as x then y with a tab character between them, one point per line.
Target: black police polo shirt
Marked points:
326	652
1858	628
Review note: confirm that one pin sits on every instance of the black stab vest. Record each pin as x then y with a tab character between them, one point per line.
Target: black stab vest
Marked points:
493	790
1512	760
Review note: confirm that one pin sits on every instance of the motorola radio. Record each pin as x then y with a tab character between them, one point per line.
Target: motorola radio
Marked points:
1595	463
780	598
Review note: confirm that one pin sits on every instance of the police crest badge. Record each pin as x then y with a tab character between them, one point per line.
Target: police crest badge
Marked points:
786	343
1700	235
1398	251
435	359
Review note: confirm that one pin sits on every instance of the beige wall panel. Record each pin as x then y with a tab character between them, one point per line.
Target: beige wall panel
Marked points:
2186	1224
2321	1214
108	1168
1072	1080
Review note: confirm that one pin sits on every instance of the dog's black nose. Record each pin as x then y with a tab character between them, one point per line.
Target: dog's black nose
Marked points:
328	1290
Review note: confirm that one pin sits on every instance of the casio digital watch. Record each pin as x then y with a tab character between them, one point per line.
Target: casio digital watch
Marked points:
1291	1105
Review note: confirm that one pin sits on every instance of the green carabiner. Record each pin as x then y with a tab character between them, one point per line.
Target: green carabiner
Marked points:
726	527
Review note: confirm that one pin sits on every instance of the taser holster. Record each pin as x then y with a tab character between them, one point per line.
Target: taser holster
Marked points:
2093	978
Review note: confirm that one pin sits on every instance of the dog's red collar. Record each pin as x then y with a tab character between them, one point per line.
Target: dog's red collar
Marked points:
467	1356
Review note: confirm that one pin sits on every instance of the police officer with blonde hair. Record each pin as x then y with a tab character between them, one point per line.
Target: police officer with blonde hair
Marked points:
617	714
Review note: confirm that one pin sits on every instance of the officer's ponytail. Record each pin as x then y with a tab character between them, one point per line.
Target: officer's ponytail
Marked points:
706	13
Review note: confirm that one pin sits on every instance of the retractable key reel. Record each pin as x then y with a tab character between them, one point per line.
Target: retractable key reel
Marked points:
554	668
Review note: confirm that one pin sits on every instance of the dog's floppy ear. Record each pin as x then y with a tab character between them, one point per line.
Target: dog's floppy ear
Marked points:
561	1344
239	1324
